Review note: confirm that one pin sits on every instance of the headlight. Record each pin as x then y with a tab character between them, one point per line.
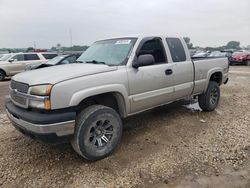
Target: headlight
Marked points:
41	90
42	100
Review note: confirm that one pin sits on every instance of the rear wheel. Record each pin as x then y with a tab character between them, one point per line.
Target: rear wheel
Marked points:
2	75
209	100
98	132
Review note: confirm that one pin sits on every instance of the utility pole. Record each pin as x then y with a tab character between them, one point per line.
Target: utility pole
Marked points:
34	44
70	35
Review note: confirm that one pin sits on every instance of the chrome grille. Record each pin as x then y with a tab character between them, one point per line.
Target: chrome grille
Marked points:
21	87
18	99
15	93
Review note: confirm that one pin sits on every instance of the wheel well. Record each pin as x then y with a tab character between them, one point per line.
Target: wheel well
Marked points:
113	100
217	77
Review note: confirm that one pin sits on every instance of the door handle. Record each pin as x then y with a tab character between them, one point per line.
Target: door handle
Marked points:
168	71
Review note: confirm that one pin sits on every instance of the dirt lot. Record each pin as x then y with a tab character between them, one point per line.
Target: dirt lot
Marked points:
172	146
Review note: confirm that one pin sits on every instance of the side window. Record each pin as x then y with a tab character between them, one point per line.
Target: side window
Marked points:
49	56
156	49
29	57
176	49
18	57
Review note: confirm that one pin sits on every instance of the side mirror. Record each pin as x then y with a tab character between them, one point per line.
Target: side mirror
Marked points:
144	60
11	60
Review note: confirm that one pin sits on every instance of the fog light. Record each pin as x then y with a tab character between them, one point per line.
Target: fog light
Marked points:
46	104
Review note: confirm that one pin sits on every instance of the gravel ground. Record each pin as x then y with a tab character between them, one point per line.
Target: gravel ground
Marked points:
172	146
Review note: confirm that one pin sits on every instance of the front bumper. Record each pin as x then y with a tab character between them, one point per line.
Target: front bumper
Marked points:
41	125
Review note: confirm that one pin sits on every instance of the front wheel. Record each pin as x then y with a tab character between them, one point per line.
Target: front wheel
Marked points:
98	132
209	100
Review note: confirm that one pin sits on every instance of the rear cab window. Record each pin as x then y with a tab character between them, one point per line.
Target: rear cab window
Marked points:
176	49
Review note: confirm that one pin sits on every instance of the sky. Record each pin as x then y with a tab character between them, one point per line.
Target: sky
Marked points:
49	22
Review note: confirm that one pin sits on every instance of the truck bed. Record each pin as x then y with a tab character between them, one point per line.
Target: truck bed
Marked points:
204	67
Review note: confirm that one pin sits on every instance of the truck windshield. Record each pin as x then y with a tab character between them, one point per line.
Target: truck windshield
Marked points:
109	52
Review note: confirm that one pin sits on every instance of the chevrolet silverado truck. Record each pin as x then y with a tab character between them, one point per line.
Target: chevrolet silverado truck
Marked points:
84	102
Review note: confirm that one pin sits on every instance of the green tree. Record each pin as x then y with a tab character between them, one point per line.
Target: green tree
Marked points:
233	45
189	44
73	48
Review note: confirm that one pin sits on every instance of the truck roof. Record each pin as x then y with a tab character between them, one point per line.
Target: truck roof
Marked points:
142	36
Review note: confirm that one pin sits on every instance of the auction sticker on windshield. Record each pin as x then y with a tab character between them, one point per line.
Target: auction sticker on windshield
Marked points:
123	42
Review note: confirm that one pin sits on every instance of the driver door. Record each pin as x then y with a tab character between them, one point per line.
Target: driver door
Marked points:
151	85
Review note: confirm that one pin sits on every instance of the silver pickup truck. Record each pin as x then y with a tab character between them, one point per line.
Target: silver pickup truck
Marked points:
84	102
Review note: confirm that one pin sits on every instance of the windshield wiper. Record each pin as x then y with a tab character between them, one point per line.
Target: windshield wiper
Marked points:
93	61
96	62
79	61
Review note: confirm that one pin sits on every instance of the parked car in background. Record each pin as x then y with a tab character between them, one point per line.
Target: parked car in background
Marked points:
201	54
221	54
59	60
217	54
16	63
242	58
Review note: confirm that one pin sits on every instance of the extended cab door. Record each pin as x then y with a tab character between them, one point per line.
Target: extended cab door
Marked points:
150	85
183	69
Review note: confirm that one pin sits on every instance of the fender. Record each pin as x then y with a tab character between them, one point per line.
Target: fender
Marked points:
119	90
209	74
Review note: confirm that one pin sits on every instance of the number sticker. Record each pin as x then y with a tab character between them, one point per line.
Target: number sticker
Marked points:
123	42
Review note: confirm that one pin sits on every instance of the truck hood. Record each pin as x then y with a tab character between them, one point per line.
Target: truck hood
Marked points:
55	74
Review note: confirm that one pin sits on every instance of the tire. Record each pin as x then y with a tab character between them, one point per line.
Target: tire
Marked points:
90	140
209	100
2	75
